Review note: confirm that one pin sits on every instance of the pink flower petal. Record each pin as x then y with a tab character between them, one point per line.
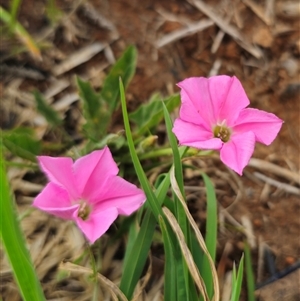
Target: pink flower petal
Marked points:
59	171
195	135
189	113
195	93
92	171
122	195
97	223
237	152
215	99
264	125
228	97
55	200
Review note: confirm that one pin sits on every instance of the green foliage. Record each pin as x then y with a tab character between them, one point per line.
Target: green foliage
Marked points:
14	8
17	29
151	114
137	254
152	200
21	143
15	246
124	68
99	107
183	278
249	274
170	273
95	111
46	110
237	280
211	234
53	12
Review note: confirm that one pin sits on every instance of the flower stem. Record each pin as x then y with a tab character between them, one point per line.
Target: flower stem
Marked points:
94	275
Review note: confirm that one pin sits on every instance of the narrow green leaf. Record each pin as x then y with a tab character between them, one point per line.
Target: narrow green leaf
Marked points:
21	144
95	111
237	285
91	100
137	259
180	214
249	274
150	114
132	236
15	246
14	8
170	283
54	14
211	233
46	110
20	32
124	68
151	198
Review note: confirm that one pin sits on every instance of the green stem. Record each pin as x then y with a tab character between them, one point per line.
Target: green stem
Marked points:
94	269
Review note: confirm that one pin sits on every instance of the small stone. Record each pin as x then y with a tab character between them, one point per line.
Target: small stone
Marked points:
290	260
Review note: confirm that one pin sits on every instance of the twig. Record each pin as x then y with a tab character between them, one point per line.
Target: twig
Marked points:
70	267
275	169
220	35
215	67
251	239
270	10
229	29
258	11
288	188
183	32
79	57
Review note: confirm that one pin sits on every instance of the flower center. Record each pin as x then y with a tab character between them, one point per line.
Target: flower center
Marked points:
84	210
222	131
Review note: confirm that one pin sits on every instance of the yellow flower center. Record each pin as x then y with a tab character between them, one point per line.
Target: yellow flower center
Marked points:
222	132
84	210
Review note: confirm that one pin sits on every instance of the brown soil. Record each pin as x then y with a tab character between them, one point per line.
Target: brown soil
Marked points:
271	82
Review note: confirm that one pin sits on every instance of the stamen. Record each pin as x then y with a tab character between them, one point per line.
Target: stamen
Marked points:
222	132
84	211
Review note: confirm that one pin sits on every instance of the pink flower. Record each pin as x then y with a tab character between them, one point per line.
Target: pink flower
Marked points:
213	115
88	191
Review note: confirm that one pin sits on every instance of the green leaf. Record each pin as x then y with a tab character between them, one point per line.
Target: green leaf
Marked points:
22	144
211	233
20	32
150	114
136	260
170	283
53	13
151	198
124	68
237	281
95	111
249	274
14	8
46	110
91	100
183	275
15	246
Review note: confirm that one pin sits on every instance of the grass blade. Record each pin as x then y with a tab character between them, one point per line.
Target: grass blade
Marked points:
180	214
186	253
211	233
249	274
237	281
14	8
124	68
46	110
21	33
14	244
151	198
199	236
170	288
